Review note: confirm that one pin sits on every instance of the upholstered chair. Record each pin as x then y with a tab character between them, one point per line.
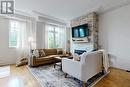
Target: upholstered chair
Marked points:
89	65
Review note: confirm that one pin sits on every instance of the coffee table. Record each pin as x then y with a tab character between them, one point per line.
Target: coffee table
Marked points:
60	59
58	63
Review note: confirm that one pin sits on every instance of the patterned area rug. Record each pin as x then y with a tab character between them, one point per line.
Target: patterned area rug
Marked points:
48	76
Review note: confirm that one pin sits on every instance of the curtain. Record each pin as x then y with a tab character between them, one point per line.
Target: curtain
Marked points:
26	40
55	36
60	37
46	36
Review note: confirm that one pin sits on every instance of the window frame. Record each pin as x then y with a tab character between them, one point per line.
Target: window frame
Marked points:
54	32
10	26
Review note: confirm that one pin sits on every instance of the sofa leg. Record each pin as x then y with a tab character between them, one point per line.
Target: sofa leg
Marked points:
65	75
84	84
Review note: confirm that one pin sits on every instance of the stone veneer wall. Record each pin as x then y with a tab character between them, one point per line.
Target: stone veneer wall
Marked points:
92	21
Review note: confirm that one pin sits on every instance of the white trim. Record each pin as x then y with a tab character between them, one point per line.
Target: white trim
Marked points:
49	17
114	8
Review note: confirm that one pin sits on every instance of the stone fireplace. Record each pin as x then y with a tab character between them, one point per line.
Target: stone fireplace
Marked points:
92	21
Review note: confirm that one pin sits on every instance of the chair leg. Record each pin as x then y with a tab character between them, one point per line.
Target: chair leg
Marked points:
84	84
65	75
54	65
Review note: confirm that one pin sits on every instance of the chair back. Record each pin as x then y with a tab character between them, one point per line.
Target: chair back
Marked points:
85	57
91	64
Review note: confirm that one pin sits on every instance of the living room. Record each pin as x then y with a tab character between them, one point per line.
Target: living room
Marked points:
60	43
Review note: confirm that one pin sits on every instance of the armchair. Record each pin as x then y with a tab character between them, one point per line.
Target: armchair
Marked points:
89	65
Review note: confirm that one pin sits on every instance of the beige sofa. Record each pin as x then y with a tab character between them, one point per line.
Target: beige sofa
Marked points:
46	56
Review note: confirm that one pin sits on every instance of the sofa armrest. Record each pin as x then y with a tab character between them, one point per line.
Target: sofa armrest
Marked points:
71	67
32	60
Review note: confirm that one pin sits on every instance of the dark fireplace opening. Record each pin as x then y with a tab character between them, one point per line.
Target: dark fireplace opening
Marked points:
79	52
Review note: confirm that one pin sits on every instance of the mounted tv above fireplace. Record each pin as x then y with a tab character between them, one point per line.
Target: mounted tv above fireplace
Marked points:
80	31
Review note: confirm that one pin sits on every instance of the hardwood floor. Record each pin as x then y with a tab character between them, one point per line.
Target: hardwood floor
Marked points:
21	77
116	78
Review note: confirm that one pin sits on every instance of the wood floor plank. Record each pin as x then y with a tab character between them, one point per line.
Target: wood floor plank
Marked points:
21	77
116	78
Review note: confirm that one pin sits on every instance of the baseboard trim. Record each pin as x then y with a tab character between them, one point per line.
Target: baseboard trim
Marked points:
6	65
118	68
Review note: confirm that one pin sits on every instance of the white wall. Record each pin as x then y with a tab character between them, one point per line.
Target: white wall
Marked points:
7	55
40	35
114	36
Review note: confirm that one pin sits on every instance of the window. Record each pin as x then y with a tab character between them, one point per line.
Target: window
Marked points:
13	33
56	37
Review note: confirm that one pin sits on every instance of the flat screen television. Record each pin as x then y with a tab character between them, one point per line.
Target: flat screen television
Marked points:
80	31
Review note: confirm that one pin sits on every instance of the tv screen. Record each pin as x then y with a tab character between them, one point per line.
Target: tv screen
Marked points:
80	31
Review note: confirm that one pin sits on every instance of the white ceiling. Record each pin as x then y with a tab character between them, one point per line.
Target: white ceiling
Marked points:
68	9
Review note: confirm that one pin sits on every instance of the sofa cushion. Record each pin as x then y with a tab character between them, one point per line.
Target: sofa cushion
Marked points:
41	53
44	59
59	51
50	52
52	56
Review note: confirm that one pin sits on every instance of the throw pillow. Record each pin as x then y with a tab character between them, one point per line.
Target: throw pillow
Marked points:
36	53
59	51
42	53
76	57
